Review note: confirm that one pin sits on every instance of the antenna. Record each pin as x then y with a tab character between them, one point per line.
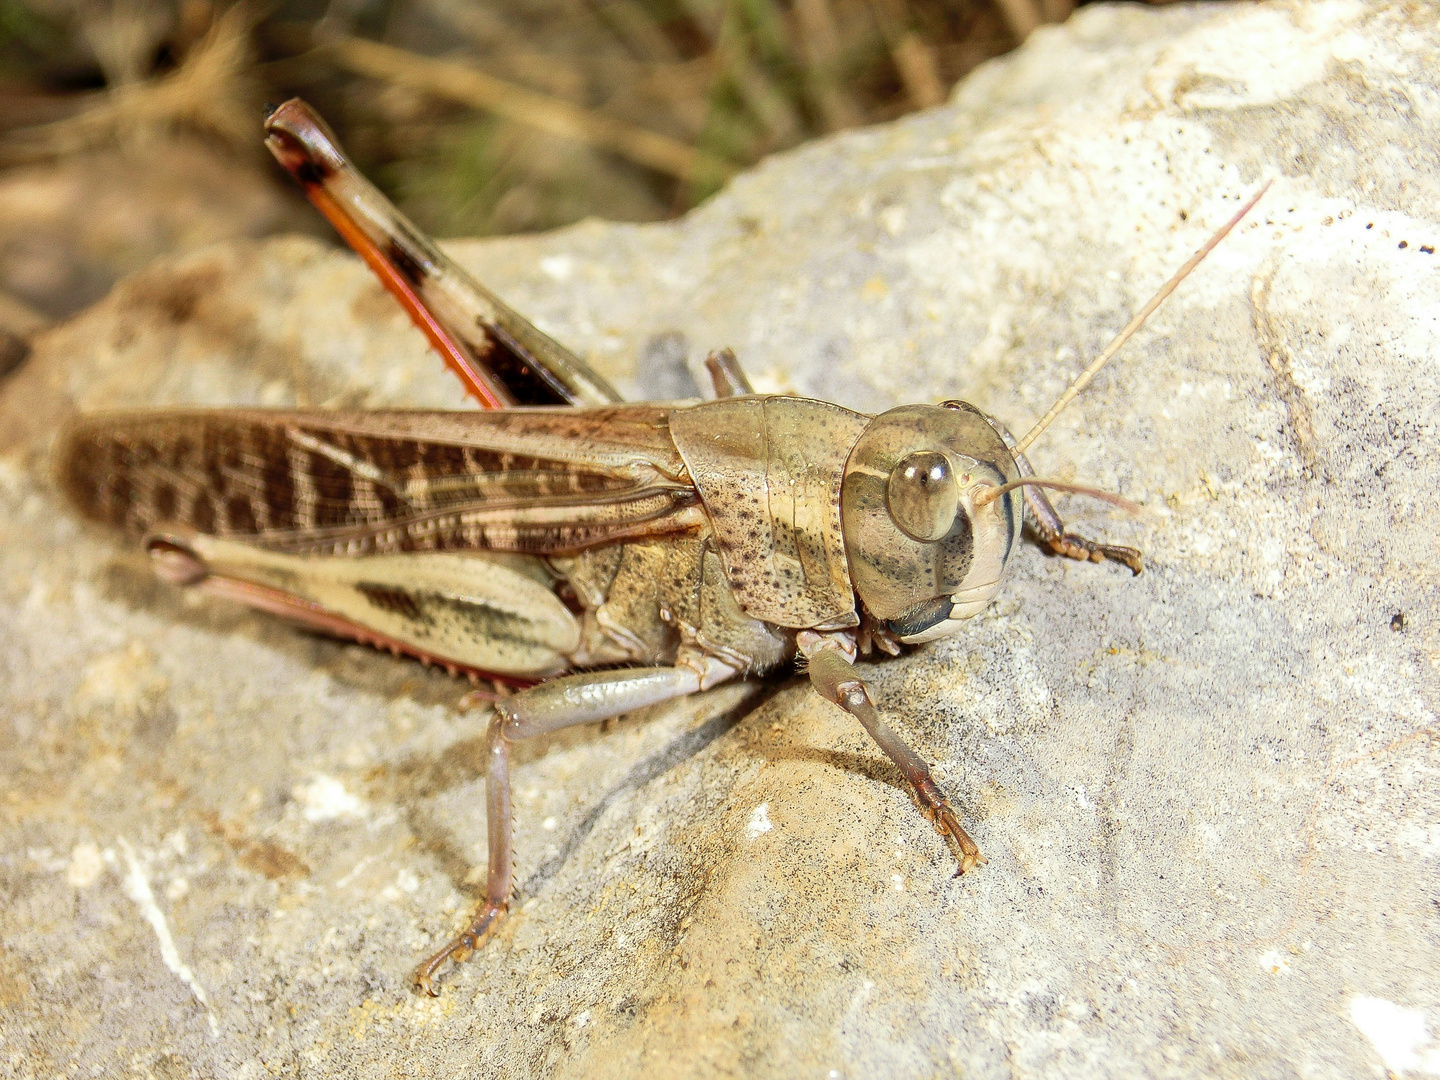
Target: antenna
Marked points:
989	493
1083	379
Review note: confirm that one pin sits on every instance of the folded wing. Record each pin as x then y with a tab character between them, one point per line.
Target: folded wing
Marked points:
539	481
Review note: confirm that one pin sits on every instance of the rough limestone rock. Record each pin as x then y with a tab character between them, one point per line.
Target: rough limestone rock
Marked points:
1209	794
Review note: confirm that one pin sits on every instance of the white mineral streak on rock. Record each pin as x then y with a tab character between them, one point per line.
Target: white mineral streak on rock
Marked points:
137	887
325	798
559	267
759	821
1399	1035
85	866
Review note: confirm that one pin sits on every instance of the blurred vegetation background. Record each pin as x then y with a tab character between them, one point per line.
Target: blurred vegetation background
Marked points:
131	128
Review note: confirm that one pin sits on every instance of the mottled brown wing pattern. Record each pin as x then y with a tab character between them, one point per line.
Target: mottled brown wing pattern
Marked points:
526	480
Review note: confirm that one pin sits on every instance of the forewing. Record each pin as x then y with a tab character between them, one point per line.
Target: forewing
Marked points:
540	481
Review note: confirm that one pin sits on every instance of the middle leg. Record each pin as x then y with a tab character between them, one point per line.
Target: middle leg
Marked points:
559	703
726	375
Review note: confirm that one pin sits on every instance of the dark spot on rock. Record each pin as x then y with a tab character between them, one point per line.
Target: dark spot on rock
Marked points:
1404	244
174	297
263	856
1043	1009
272	860
1397	621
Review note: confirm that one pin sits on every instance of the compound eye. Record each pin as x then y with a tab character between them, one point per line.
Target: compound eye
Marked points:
923	495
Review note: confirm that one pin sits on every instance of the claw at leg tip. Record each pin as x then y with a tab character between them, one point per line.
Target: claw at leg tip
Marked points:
422	980
969	862
424	977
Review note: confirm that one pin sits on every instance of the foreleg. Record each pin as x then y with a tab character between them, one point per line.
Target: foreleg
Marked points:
1051	530
834	679
1041	516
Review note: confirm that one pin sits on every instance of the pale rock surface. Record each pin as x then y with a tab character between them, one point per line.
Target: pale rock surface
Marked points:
1209	795
70	228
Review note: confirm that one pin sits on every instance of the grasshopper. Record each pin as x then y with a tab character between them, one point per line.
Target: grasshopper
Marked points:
591	556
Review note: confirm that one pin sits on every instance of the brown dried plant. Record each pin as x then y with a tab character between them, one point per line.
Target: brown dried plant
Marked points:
212	90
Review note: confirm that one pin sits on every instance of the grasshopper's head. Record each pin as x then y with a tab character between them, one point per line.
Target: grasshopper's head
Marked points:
923	553
929	508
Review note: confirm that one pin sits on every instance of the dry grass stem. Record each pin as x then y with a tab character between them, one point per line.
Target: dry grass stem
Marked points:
466	86
755	88
683	86
494	116
919	71
914	59
1022	16
638	31
123	38
210	91
820	39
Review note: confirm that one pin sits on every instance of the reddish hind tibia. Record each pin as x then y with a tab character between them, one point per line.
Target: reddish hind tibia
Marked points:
305	146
